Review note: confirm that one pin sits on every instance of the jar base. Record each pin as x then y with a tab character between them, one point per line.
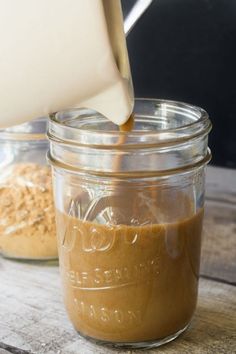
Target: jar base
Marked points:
28	259
136	345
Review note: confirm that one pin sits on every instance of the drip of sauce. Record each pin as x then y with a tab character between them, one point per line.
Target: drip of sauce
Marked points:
124	128
128	126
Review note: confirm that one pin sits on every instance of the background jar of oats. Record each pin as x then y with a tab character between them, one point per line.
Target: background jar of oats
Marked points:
27	220
129	209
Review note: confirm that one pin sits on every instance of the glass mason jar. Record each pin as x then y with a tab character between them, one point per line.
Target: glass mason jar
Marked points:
129	210
27	214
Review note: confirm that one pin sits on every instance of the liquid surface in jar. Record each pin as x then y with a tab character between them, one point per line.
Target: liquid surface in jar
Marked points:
130	272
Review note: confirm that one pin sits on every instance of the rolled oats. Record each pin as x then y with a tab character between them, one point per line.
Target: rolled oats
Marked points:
27	219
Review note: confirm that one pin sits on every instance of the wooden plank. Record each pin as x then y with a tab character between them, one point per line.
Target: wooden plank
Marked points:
33	317
219	232
219	242
221	184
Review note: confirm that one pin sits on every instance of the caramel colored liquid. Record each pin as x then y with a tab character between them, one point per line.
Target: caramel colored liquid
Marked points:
124	128
128	283
128	126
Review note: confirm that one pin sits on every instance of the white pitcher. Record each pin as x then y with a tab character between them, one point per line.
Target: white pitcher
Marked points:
56	54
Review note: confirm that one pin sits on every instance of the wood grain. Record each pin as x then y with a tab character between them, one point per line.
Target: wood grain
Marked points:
218	259
219	233
6	348
221	185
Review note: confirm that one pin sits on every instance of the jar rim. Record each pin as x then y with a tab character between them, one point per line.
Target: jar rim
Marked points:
28	131
148	149
82	134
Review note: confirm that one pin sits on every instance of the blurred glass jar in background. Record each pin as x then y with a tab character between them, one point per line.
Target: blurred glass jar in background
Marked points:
27	218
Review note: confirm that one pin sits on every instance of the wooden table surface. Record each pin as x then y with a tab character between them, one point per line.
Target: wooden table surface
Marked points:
33	319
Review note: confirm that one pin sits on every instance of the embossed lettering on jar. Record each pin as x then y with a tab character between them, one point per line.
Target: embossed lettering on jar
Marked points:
129	220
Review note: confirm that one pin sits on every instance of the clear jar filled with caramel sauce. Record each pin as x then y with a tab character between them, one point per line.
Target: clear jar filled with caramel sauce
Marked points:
129	210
